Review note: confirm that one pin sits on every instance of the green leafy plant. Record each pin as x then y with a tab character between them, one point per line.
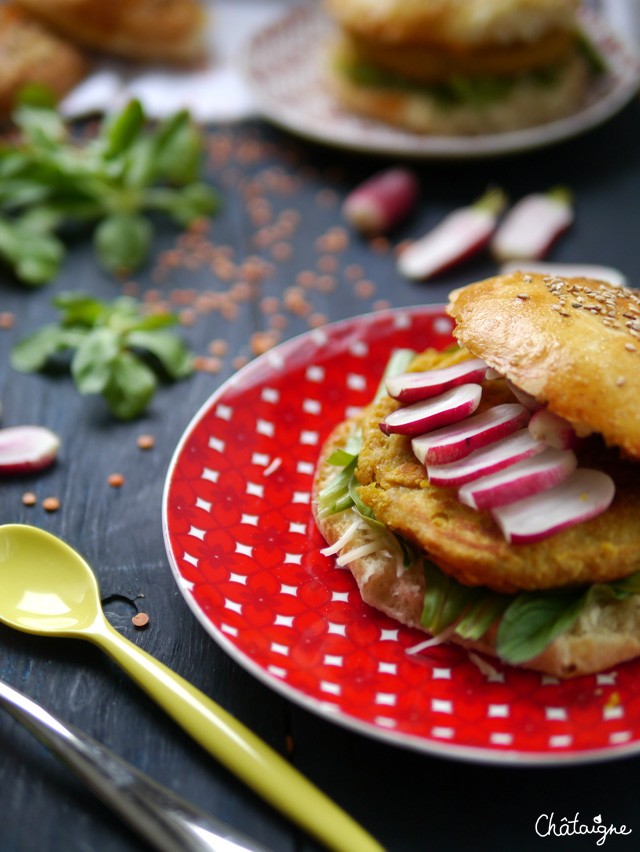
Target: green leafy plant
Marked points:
113	349
50	181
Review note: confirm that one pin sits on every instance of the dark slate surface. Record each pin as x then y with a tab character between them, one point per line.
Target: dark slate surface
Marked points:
409	801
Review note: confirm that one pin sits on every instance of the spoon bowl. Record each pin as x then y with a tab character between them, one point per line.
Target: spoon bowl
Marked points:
48	588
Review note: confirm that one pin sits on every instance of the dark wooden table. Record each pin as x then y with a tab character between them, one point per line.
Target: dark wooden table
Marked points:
264	275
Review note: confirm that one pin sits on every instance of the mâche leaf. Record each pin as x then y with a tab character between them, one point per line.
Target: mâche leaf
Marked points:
110	181
117	350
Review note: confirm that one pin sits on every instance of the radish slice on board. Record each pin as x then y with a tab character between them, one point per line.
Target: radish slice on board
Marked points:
553	430
27	448
519	480
411	387
458	236
382	201
455	442
489	459
448	407
532	225
582	496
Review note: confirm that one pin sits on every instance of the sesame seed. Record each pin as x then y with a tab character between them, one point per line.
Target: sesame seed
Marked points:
523	296
630	347
620	381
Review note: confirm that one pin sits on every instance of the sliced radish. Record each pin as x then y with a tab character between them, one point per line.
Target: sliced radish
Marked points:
553	430
27	448
448	407
455	442
519	480
529	402
532	225
458	236
411	387
382	201
491	459
582	496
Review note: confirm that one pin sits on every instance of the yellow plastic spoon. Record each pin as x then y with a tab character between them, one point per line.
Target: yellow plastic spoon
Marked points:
48	588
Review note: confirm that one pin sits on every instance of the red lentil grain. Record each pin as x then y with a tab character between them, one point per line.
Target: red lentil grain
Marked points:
29	498
116	480
51	504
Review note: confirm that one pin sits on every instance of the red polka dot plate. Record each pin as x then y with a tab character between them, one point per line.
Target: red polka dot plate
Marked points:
245	553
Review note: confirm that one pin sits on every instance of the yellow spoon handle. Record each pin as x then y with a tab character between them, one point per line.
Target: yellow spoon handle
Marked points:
238	748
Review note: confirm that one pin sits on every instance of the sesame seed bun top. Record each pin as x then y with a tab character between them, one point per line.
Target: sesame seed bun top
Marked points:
573	344
463	23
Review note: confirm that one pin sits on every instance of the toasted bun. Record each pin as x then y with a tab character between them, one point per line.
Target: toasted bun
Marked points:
30	53
460	23
527	103
144	30
607	632
572	344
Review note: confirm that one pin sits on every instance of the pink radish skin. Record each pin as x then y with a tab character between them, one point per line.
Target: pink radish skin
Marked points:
519	480
24	449
455	442
412	387
381	202
491	459
532	226
553	430
584	495
460	235
448	407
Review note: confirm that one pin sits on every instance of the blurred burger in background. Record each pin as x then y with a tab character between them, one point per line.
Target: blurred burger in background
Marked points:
460	66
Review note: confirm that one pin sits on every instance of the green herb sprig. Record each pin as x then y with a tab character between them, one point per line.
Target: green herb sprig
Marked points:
113	349
51	182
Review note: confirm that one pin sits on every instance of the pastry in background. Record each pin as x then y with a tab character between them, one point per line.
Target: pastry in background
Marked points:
31	54
451	67
142	30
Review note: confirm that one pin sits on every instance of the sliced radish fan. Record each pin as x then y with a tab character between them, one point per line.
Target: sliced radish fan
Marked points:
455	442
519	480
527	478
411	387
490	459
584	495
452	405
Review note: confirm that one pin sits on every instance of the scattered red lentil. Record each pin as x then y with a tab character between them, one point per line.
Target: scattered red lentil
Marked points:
140	619
262	341
207	364
364	288
317	319
145	442
353	272
218	347
116	480
29	498
7	319
51	504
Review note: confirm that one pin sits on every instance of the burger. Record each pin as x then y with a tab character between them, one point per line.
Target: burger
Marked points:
455	67
489	494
